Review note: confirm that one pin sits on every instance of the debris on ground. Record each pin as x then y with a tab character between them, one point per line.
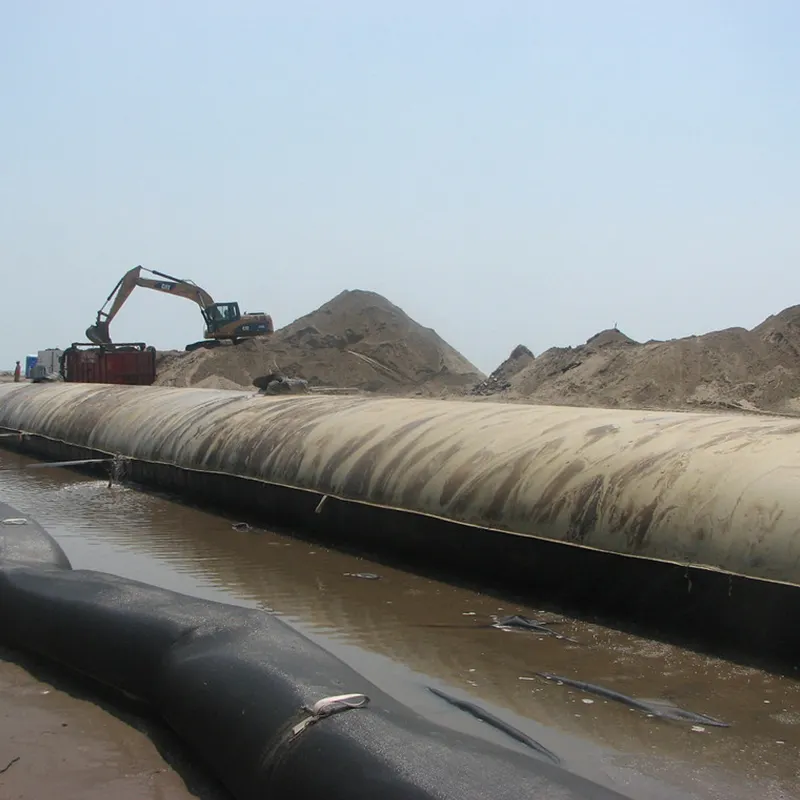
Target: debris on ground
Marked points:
276	383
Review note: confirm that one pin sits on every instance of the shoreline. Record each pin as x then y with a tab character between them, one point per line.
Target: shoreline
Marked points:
62	738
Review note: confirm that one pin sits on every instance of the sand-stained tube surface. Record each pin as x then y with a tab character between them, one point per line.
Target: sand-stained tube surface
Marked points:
717	491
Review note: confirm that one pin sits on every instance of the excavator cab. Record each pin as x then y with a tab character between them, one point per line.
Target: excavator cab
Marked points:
220	315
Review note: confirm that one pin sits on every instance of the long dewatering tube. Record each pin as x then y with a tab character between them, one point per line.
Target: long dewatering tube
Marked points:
270	713
684	523
701	489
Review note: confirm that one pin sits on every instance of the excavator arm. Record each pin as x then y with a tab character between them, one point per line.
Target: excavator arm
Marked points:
99	332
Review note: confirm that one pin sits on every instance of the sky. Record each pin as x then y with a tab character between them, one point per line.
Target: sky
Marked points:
506	172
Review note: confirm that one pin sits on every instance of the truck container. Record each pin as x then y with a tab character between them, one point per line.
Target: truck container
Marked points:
30	363
50	359
131	364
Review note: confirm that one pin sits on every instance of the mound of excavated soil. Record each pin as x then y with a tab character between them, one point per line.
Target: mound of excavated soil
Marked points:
500	379
356	340
734	368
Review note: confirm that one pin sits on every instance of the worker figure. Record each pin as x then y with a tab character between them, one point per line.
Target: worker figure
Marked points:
17	372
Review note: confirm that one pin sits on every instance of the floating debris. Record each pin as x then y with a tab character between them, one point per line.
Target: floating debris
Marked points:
518	622
485	716
652	708
10	764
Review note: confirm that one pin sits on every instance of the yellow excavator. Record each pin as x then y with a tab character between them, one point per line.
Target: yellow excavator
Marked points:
224	322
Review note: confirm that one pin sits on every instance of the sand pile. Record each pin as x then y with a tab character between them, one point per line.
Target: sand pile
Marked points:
356	340
733	368
500	379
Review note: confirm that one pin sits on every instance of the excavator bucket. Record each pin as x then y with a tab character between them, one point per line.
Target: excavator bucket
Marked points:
98	333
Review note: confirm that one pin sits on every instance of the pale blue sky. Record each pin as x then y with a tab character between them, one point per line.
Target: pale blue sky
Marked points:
505	171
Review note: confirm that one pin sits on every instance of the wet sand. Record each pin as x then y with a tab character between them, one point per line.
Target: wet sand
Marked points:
61	739
407	631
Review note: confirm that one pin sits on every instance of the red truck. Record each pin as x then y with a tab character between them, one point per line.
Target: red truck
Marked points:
129	364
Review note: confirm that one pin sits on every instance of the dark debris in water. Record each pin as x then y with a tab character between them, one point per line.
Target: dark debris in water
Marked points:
652	708
518	622
242	527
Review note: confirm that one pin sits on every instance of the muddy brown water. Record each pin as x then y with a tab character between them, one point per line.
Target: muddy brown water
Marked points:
405	632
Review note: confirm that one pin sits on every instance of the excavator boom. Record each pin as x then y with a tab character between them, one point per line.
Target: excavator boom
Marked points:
223	320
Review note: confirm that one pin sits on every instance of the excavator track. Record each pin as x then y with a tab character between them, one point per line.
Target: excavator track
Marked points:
206	344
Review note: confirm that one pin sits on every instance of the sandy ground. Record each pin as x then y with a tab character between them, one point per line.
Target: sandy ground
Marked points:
58	739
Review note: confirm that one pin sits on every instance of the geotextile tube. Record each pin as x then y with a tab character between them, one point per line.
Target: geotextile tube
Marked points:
682	520
270	713
24	541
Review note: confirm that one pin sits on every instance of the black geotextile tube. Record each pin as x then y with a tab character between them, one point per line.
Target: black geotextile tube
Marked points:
238	685
24	541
